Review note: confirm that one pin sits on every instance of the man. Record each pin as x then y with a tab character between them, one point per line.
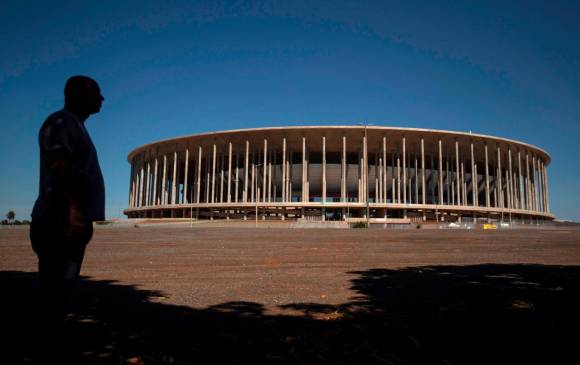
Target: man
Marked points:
71	194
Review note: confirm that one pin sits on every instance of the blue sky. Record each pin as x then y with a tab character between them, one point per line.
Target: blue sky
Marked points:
505	68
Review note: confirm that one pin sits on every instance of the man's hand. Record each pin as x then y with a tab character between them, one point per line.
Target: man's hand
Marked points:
77	223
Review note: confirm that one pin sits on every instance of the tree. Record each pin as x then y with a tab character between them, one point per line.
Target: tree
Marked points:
10	216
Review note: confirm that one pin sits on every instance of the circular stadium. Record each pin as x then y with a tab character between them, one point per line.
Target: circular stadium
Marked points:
340	173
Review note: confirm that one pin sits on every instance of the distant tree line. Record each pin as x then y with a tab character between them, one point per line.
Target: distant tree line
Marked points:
11	221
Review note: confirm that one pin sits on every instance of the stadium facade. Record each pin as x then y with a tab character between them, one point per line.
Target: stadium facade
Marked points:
381	174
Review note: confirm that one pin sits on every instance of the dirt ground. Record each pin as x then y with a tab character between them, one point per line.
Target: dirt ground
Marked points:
156	294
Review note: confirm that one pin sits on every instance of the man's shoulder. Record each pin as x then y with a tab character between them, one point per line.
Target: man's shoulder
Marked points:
59	119
61	116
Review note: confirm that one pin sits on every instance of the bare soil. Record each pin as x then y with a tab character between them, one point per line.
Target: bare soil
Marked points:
158	294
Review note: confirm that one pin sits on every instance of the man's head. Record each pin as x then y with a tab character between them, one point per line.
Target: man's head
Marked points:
82	95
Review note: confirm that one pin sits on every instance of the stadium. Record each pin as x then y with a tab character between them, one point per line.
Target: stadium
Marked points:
340	173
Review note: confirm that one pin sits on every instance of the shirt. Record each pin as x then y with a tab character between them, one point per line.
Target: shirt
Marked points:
63	137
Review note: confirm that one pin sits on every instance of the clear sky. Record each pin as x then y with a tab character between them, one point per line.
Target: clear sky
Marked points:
171	68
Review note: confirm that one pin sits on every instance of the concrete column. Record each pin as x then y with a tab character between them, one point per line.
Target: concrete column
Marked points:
213	164
142	192
452	191
207	179
393	187
510	182
432	177
264	175
539	184
283	170
198	174
270	159
384	169
507	183
416	180
343	172
220	171
528	190
141	172
516	183
343	192
534	183
142	179
174	180
499	181
360	174
237	177
229	196
155	182
514	186
476	185
541	167
131	179
307	174
289	174
473	177
457	174
376	186
393	184
135	185
148	189
423	187
323	170
303	169
440	173
185	177
463	183
163	182
404	171
398	179
544	187
380	180
495	191
409	184
520	176
220	175
446	183
253	187
547	189
245	195
487	202
366	170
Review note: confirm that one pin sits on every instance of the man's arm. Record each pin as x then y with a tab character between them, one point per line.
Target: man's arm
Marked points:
58	141
61	168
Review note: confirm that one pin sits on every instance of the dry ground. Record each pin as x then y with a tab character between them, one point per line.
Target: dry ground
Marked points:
180	294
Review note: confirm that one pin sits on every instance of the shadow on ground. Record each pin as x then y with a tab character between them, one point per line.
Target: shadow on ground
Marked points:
436	315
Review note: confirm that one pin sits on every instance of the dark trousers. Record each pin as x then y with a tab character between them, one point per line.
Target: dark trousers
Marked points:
59	258
59	264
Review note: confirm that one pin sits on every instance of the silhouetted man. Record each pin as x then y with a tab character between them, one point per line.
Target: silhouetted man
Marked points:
71	195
